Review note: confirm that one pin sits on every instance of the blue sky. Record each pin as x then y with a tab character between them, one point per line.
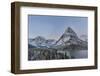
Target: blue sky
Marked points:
52	27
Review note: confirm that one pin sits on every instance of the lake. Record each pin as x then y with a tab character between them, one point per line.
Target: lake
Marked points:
79	54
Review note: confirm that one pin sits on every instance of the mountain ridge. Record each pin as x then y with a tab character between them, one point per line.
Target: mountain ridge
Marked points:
68	38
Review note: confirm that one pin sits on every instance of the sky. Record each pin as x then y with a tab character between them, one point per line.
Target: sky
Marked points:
52	27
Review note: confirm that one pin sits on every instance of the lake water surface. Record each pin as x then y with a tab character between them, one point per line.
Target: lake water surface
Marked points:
79	54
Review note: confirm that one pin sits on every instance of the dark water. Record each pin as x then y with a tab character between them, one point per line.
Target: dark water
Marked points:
79	54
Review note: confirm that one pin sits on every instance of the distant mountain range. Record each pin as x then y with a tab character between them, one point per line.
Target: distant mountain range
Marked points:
41	42
84	37
68	40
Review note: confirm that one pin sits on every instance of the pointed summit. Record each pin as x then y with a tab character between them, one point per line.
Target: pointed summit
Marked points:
70	32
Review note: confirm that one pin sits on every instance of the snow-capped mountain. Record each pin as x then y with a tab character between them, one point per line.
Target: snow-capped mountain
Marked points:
69	38
41	42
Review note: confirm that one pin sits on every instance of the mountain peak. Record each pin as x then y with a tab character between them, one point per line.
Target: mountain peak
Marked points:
68	36
69	30
39	38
